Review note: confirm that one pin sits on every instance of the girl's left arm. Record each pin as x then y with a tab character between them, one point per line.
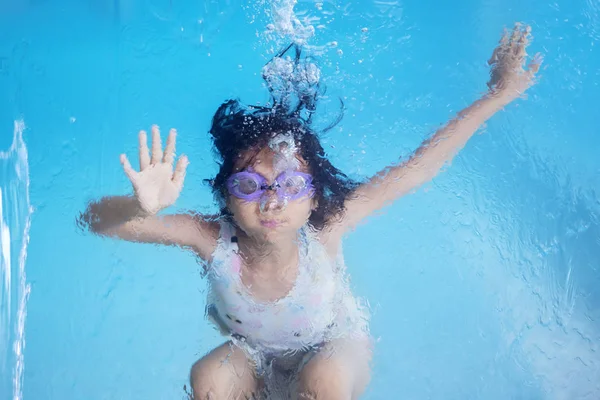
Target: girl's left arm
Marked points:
508	81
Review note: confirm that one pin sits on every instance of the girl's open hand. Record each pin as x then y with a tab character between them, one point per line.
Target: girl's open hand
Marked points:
508	78
156	185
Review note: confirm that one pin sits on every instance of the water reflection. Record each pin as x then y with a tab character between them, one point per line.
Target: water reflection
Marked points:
15	215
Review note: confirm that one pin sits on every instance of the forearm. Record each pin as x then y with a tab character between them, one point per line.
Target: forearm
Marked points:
441	148
425	163
109	213
508	81
122	217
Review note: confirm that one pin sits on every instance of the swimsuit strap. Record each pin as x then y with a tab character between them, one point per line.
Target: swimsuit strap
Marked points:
226	246
227	231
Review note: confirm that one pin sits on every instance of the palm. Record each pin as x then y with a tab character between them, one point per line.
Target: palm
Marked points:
154	186
157	185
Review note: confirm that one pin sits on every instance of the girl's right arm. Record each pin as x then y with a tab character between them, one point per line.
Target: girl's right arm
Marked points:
122	217
156	186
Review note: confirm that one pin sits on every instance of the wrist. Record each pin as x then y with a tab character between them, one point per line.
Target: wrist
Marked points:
498	99
502	97
143	210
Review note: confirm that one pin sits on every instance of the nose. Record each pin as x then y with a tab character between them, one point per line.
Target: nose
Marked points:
270	202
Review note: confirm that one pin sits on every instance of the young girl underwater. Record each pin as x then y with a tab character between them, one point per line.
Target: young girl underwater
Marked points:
277	283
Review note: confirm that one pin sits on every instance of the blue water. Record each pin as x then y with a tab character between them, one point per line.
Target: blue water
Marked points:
483	284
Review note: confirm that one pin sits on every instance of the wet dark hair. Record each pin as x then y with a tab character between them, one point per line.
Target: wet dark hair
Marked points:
237	129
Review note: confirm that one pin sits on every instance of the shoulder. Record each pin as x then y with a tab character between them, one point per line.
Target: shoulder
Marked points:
330	239
205	229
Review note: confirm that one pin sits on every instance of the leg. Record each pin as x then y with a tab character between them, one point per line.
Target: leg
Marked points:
339	371
224	374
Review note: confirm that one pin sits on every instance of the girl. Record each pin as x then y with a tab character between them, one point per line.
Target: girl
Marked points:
278	285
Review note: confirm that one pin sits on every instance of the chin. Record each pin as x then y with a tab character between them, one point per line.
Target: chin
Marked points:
270	232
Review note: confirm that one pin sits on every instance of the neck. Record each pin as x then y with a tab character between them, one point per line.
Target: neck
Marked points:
263	255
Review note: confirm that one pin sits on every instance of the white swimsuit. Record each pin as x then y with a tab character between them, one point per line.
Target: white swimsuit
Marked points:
318	308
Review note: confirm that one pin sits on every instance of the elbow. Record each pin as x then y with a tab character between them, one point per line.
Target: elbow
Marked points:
90	221
85	223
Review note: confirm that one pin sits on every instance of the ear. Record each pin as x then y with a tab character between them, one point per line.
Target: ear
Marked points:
315	204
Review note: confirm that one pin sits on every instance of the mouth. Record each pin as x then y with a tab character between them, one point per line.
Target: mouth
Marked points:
270	223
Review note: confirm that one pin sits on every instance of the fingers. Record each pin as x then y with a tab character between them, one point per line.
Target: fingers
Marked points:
170	147
504	40
130	172
180	168
534	64
500	49
525	36
494	58
157	154
522	43
144	152
512	49
516	33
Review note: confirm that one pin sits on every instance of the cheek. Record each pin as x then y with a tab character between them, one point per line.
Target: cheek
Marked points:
299	211
243	211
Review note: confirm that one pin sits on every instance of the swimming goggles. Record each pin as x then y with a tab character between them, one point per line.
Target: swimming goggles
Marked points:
289	185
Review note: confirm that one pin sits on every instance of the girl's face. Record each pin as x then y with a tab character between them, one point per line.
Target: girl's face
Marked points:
275	218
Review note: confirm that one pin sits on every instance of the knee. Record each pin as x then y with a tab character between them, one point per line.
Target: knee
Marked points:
324	382
202	381
210	380
339	371
222	374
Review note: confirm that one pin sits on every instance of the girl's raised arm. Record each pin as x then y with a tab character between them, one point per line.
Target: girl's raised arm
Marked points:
508	81
156	186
